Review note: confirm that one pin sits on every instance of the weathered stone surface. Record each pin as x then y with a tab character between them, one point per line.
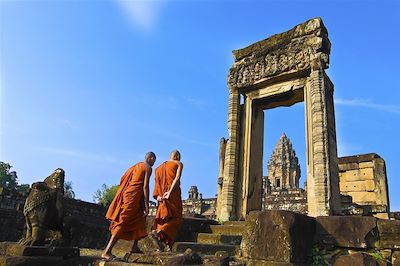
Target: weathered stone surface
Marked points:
191	226
389	234
29	261
396	258
44	210
227	229
356	259
48	261
269	263
286	52
283	166
346	231
221	258
64	252
205	238
279	236
204	249
187	258
290	200
363	177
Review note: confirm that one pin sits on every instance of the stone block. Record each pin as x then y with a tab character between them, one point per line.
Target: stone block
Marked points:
361	197
389	234
366	185
221	258
30	261
206	238
187	258
355	259
64	252
279	236
269	263
204	249
348	166
357	175
346	231
366	164
396	258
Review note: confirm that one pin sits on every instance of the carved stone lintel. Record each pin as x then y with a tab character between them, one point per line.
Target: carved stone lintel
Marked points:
294	51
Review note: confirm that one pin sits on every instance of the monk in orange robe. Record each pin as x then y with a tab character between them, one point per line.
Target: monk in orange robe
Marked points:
167	192
130	206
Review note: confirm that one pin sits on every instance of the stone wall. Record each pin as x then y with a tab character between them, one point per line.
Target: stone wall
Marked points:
291	239
86	221
194	207
363	177
291	200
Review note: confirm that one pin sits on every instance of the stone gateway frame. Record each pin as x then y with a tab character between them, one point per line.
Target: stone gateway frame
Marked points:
281	70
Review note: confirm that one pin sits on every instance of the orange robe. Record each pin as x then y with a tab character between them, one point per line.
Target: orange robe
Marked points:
126	209
169	212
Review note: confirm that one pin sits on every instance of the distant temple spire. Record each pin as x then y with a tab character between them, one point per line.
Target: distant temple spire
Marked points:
283	166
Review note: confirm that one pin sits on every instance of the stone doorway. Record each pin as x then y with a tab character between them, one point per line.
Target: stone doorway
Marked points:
282	70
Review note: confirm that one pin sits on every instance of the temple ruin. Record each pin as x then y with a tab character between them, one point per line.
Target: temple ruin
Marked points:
281	190
281	70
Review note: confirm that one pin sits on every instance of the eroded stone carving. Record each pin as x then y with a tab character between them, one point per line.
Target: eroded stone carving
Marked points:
287	52
43	209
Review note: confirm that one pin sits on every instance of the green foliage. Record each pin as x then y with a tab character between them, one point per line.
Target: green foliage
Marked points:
317	257
7	179
105	194
376	255
68	191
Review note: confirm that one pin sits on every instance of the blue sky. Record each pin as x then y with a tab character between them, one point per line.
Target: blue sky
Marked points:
90	86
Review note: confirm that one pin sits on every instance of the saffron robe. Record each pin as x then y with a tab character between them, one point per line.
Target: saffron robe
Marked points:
169	212
126	210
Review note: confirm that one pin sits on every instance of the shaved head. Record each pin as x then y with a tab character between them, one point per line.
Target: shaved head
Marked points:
175	155
150	158
149	155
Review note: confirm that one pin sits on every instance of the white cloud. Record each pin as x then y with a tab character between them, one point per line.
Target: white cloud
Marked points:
369	104
142	13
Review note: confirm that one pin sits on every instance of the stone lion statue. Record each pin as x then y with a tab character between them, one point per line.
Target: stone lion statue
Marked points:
44	209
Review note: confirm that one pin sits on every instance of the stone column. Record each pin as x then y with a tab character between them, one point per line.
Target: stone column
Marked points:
323	195
222	149
252	158
226	208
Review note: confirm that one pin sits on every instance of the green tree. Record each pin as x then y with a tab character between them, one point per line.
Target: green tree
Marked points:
8	179
23	188
105	194
68	191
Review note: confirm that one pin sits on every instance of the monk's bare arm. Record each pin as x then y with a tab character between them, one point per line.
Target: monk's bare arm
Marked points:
176	180
146	189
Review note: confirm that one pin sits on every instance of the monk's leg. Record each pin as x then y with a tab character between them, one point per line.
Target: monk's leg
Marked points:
107	251
135	248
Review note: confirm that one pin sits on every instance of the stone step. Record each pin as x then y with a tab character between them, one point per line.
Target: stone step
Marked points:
234	223
232	230
204	249
49	261
205	238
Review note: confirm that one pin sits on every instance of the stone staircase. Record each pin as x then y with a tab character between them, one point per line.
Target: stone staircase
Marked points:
226	237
